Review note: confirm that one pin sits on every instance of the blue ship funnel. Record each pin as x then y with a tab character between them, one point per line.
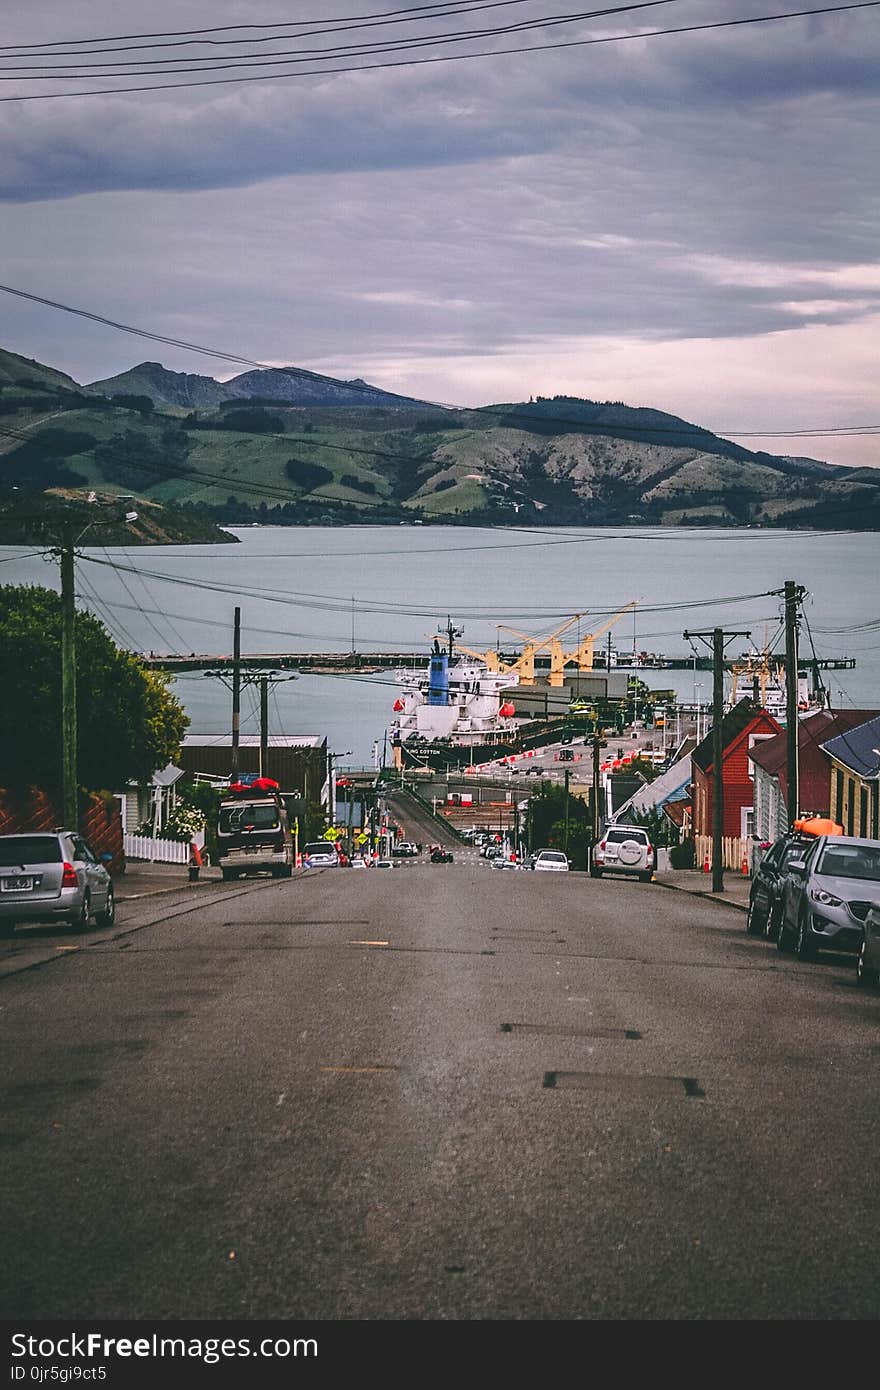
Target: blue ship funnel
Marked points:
438	680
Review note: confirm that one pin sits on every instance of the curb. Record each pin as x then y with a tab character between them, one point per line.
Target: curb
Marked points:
707	897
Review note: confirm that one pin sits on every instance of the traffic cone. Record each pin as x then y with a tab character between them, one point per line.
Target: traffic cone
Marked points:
744	868
706	865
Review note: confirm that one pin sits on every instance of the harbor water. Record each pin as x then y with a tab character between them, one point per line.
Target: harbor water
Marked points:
337	589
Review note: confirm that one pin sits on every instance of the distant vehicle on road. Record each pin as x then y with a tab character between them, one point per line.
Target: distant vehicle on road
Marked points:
53	878
253	830
551	861
439	855
320	855
829	891
624	849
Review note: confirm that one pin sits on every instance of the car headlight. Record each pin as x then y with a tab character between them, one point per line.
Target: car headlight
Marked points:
819	895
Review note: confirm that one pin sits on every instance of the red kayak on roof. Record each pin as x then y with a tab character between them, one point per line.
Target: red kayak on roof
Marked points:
256	784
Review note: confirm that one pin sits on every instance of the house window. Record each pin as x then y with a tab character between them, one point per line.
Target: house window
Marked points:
838	796
863	812
747	822
753	739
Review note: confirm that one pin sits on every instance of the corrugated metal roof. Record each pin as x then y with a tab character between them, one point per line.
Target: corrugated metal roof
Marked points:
253	741
813	733
859	749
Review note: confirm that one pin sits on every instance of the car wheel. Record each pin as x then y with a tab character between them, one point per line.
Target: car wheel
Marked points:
755	922
865	974
774	917
595	873
7	928
108	916
229	874
806	948
645	878
81	921
784	940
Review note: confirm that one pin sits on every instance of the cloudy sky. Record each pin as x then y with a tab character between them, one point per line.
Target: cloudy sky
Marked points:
686	221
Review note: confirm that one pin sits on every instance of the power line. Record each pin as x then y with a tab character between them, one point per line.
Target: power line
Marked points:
451	57
362	49
397	15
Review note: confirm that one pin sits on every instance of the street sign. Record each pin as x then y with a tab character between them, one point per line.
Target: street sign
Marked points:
332	834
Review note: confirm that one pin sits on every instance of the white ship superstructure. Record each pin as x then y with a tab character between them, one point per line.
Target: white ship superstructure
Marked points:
462	701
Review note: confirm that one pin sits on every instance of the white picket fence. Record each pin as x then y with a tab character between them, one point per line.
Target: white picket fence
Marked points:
157	851
733	850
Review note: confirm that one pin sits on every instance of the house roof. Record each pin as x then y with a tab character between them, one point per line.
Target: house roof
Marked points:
814	731
734	723
253	741
669	786
676	811
858	749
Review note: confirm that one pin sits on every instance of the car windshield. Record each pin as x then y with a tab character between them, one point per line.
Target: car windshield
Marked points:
547	855
851	861
29	849
617	837
322	847
248	817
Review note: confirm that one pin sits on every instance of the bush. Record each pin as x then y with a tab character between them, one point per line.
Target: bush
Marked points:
684	855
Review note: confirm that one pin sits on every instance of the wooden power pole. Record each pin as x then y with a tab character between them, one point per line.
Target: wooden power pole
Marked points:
717	638
69	777
794	594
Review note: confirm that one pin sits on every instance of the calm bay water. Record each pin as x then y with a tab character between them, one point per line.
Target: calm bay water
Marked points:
389	588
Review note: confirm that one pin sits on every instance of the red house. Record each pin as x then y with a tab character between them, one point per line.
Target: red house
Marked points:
741	728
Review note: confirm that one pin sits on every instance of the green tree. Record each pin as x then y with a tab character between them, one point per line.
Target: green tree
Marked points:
128	722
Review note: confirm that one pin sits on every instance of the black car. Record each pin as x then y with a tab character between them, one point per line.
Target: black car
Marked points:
439	855
768	886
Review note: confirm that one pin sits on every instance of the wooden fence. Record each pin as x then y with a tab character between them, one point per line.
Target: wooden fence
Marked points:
734	850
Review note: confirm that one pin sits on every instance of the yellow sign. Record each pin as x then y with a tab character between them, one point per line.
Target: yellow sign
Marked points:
332	834
362	838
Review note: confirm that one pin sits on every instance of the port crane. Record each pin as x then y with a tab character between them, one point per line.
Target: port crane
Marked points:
524	665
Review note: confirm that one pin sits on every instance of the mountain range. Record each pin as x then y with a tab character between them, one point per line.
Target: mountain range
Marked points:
288	446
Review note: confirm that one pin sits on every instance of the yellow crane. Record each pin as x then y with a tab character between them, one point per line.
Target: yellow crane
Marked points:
524	665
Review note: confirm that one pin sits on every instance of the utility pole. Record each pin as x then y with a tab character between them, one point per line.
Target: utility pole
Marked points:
597	820
565	823
718	639
794	594
264	724
236	695
69	797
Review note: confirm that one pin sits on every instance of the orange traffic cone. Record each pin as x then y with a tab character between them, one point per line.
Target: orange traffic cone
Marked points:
706	866
744	868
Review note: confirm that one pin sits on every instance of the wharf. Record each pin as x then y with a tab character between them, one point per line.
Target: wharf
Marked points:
371	662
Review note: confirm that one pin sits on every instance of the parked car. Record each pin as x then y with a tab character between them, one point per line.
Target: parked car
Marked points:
551	861
439	855
868	966
829	891
768	885
320	855
53	878
624	849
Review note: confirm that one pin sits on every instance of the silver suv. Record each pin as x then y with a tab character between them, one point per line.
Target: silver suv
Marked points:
828	894
624	849
53	878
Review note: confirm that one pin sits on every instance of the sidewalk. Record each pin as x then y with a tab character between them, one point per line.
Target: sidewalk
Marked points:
736	886
143	879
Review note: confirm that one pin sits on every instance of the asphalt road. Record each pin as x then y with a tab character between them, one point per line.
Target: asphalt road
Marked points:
437	1092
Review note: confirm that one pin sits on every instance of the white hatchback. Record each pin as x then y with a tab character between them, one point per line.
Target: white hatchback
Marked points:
552	861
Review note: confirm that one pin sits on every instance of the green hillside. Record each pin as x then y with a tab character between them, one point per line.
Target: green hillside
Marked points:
554	462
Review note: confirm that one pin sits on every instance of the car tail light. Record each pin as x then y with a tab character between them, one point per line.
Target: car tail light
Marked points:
601	844
68	877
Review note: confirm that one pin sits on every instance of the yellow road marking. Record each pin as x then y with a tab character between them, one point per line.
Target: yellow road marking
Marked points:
369	943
